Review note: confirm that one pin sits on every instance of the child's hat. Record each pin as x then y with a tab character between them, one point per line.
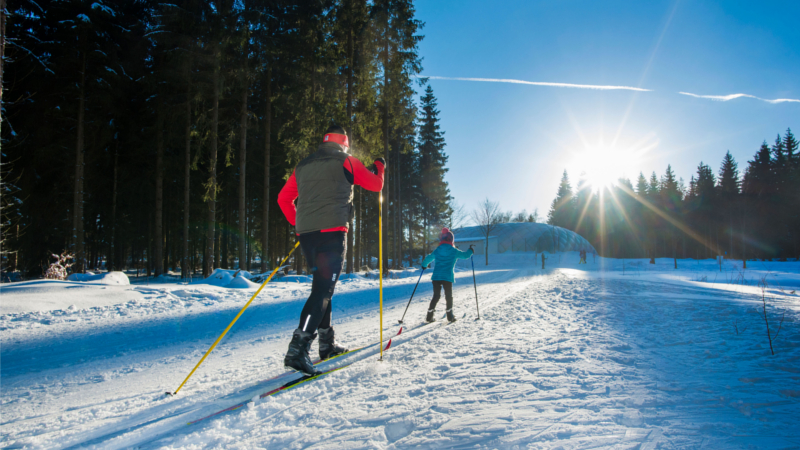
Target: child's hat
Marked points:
446	236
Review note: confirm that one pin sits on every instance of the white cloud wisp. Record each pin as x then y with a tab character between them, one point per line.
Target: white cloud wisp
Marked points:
725	98
541	83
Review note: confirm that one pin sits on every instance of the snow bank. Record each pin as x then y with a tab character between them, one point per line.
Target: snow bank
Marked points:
41	296
240	282
220	277
110	278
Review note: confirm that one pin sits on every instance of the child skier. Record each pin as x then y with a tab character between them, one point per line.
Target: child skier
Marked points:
445	256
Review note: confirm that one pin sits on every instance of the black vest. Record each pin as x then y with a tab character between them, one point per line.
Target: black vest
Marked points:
324	194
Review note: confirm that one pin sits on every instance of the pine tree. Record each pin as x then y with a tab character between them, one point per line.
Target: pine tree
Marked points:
728	186
790	145
435	193
758	187
653	186
641	185
563	207
669	190
729	175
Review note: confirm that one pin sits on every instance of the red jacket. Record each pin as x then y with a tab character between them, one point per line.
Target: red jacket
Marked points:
359	176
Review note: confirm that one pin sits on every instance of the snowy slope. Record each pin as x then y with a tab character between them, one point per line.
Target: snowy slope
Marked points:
572	357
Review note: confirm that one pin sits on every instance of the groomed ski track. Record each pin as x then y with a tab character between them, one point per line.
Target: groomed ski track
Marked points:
156	415
180	422
570	357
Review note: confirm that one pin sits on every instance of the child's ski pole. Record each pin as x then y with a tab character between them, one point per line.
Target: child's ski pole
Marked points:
412	296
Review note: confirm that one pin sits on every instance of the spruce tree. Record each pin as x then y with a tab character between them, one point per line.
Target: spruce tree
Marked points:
641	185
728	186
653	186
729	175
790	145
563	206
435	193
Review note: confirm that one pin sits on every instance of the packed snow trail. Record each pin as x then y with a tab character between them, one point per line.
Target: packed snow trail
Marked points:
73	370
562	358
572	362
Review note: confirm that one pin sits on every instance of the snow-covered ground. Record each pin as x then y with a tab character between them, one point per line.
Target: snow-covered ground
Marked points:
574	356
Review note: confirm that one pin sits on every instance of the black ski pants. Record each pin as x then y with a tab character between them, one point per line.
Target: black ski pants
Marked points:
437	292
324	253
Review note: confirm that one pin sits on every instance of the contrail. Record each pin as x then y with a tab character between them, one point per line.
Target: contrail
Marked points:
725	98
541	83
720	98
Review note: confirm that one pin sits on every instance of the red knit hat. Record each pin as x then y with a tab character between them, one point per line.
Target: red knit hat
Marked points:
446	237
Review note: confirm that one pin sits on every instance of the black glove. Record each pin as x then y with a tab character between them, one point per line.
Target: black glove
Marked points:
382	161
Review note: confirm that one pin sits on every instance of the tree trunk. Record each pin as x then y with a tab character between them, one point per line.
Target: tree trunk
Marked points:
208	261
424	228
111	254
410	244
158	256
150	245
744	241
267	143
218	245
398	213
186	177
242	174
2	47
77	207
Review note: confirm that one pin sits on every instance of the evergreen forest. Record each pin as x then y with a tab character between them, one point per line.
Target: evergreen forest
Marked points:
739	214
150	135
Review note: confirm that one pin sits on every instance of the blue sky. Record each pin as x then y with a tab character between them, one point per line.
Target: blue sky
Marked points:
511	142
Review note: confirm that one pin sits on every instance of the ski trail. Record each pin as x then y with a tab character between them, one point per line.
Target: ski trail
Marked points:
556	362
157	428
561	358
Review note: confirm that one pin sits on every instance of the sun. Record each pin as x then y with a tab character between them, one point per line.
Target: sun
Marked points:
602	166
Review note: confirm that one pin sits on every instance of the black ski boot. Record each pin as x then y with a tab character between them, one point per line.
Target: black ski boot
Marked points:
450	316
297	357
429	318
328	347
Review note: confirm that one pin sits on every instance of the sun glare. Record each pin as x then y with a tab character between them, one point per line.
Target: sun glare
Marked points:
603	166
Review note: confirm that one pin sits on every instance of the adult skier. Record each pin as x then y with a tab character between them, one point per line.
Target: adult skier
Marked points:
323	184
445	257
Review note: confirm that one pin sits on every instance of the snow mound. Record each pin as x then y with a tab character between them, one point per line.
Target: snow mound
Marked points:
113	278
220	277
240	282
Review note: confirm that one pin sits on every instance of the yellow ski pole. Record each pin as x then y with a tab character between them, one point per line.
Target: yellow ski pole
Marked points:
380	264
235	319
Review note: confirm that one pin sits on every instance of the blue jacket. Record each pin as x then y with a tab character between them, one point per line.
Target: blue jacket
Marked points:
446	256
